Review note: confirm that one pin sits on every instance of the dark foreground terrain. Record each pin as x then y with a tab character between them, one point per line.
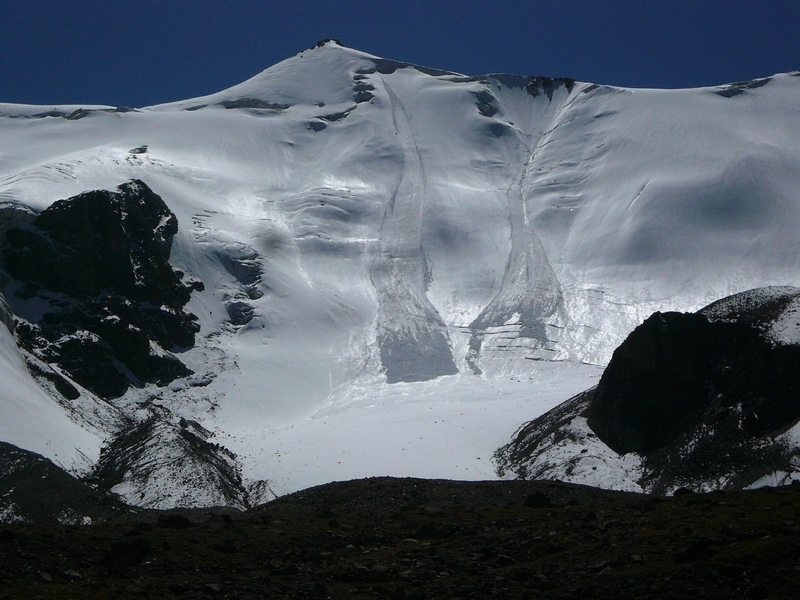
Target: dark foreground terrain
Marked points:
412	538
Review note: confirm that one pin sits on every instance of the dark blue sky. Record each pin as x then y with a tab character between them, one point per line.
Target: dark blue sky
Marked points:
140	53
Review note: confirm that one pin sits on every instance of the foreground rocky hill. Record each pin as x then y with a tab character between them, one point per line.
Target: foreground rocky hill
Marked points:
708	400
412	538
35	491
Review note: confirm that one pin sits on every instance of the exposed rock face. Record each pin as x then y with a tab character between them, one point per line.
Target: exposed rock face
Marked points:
740	87
102	242
704	399
99	263
678	371
654	385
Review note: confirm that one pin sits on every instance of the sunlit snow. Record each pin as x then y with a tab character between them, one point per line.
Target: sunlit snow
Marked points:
483	247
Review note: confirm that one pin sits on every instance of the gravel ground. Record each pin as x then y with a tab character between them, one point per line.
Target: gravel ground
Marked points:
412	538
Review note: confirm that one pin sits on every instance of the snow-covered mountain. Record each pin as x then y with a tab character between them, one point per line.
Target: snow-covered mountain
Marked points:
377	268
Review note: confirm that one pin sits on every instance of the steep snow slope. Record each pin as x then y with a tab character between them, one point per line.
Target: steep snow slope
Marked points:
363	226
32	419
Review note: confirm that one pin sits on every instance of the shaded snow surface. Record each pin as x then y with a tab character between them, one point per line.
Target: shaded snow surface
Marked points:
359	222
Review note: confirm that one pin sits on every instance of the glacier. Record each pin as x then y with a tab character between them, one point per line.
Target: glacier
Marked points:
402	264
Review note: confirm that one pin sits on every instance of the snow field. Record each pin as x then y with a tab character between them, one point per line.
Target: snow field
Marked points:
497	214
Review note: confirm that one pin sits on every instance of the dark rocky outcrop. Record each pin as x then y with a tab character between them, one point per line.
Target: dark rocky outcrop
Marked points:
71	115
99	264
486	103
386	66
654	384
362	91
321	43
547	85
337	116
6	316
732	90
101	242
535	85
678	371
256	103
702	398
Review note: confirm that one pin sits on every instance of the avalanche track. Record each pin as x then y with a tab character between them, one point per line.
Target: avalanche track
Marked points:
390	266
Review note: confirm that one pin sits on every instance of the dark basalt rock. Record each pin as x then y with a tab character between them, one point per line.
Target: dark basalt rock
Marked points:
546	85
239	313
386	66
321	43
87	358
333	117
497	129
6	316
362	91
362	96
677	371
316	125
100	261
535	85
253	103
740	87
485	102
701	397
72	115
101	241
63	387
242	262
520	455
654	384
